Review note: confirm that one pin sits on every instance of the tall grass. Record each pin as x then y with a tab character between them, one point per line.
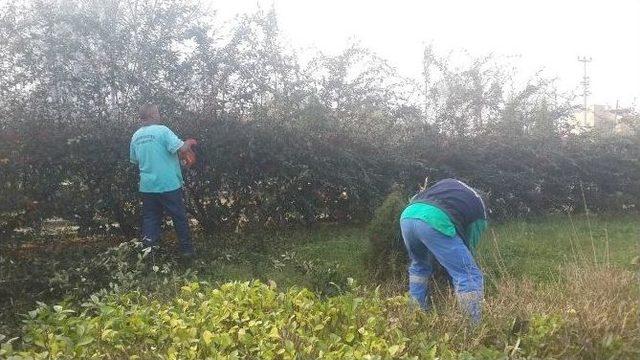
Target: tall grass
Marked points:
561	291
592	313
588	311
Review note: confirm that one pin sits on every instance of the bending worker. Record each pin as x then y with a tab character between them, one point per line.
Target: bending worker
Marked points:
444	223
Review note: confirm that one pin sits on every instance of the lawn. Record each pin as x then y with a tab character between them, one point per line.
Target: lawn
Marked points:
556	287
535	249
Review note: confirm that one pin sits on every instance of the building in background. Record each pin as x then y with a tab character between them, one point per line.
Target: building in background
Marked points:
606	121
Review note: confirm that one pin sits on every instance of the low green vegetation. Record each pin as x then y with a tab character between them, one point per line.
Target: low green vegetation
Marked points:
255	320
536	249
307	294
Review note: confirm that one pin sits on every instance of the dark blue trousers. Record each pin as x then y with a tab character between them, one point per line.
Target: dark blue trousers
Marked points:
154	206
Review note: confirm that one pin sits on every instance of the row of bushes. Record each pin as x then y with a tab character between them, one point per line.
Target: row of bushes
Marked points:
283	141
237	320
252	175
255	320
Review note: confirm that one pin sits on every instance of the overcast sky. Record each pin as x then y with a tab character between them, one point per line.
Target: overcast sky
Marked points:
541	34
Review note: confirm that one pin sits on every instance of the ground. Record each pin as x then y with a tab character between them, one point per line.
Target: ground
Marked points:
558	286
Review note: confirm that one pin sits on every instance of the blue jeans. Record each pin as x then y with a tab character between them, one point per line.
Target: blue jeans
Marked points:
153	207
426	245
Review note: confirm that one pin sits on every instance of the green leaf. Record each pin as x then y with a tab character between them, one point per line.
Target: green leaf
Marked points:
207	336
393	350
85	340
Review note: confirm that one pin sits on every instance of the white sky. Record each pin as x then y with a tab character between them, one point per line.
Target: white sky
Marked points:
541	34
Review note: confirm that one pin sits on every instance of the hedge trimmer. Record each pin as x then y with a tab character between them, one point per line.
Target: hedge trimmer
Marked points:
188	156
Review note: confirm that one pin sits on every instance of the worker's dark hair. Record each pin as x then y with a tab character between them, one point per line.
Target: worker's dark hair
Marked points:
147	110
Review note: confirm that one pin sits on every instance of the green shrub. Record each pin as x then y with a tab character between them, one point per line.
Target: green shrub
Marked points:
235	321
238	320
325	278
387	258
79	273
253	320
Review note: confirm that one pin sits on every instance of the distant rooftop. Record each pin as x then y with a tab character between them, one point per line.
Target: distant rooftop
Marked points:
606	120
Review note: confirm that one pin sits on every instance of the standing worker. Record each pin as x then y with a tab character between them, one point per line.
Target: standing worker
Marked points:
156	151
444	223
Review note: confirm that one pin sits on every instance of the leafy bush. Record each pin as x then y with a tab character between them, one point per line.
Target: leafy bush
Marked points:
78	273
238	320
124	267
254	320
325	279
387	257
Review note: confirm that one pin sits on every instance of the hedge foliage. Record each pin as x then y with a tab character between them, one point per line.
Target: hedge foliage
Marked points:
253	320
283	140
245	321
387	257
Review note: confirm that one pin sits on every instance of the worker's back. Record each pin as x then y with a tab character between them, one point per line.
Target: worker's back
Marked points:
460	201
154	148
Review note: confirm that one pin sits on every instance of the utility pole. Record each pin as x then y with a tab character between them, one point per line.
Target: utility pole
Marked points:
585	84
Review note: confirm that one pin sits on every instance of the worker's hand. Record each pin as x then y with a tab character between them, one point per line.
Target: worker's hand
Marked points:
187	158
186	153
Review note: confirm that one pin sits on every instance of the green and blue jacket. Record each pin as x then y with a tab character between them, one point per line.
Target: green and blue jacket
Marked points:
451	207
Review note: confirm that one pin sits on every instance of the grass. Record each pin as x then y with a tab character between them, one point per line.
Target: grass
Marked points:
282	260
562	287
536	249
